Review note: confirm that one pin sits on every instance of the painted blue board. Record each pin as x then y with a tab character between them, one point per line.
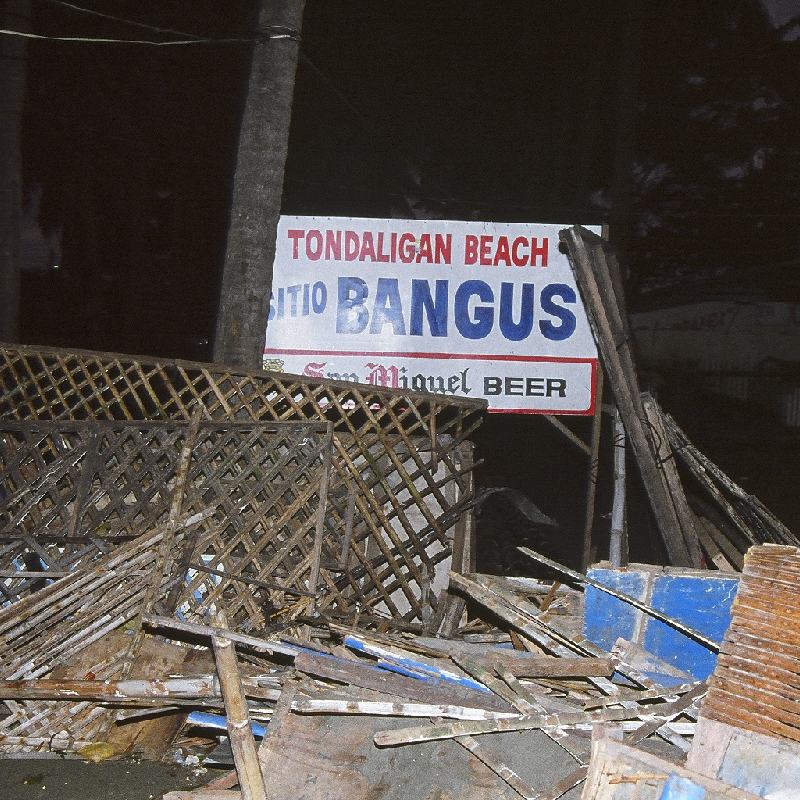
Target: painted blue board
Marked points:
607	619
702	603
701	600
678	788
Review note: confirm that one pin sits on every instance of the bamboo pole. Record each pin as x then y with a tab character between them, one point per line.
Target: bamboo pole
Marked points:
196	629
245	757
617	544
199	690
428	733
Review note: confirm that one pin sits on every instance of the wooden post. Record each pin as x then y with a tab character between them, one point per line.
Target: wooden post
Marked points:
591	484
245	756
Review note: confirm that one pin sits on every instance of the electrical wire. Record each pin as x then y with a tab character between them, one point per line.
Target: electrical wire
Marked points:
286	33
134	23
103	40
280	31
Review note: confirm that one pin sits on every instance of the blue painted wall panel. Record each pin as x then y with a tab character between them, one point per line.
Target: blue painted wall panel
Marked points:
700	600
703	604
606	618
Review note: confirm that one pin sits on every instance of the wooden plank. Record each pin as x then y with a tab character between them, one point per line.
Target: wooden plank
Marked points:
381	708
605	318
672	482
353	673
427	733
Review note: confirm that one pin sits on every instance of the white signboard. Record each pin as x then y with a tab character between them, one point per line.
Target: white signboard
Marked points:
476	309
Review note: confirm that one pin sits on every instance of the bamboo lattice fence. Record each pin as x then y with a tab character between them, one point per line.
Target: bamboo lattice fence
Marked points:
399	477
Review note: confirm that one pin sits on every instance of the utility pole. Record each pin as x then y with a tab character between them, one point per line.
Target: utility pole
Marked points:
15	15
258	186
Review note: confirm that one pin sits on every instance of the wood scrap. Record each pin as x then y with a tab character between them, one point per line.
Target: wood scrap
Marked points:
207	631
428	733
199	691
526	665
356	673
312	705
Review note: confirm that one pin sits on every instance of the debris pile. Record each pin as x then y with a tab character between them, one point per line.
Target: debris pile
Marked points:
188	550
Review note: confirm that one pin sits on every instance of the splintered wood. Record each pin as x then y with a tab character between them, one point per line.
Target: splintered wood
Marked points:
755	683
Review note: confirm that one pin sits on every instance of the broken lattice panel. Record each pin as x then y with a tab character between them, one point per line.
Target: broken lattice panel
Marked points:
76	490
398	480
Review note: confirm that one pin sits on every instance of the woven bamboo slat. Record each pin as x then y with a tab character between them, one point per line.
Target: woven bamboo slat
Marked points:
398	481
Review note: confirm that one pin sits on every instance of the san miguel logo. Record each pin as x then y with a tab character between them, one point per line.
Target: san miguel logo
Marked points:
394	377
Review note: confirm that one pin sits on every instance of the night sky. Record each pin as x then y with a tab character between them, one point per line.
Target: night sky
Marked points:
678	124
679	128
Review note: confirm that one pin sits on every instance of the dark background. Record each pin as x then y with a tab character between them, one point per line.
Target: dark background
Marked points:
675	123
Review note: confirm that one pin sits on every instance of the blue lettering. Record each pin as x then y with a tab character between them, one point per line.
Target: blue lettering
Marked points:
319	297
479	325
565	293
388	308
351	316
516	331
436	311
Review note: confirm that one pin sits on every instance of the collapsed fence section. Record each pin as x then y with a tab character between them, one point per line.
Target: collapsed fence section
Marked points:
400	480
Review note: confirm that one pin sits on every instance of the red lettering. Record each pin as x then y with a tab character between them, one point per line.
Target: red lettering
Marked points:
367	248
425	250
333	245
295	236
502	252
382	256
314	245
538	250
406	248
519	261
486	258
350	245
314	369
444	248
470	249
